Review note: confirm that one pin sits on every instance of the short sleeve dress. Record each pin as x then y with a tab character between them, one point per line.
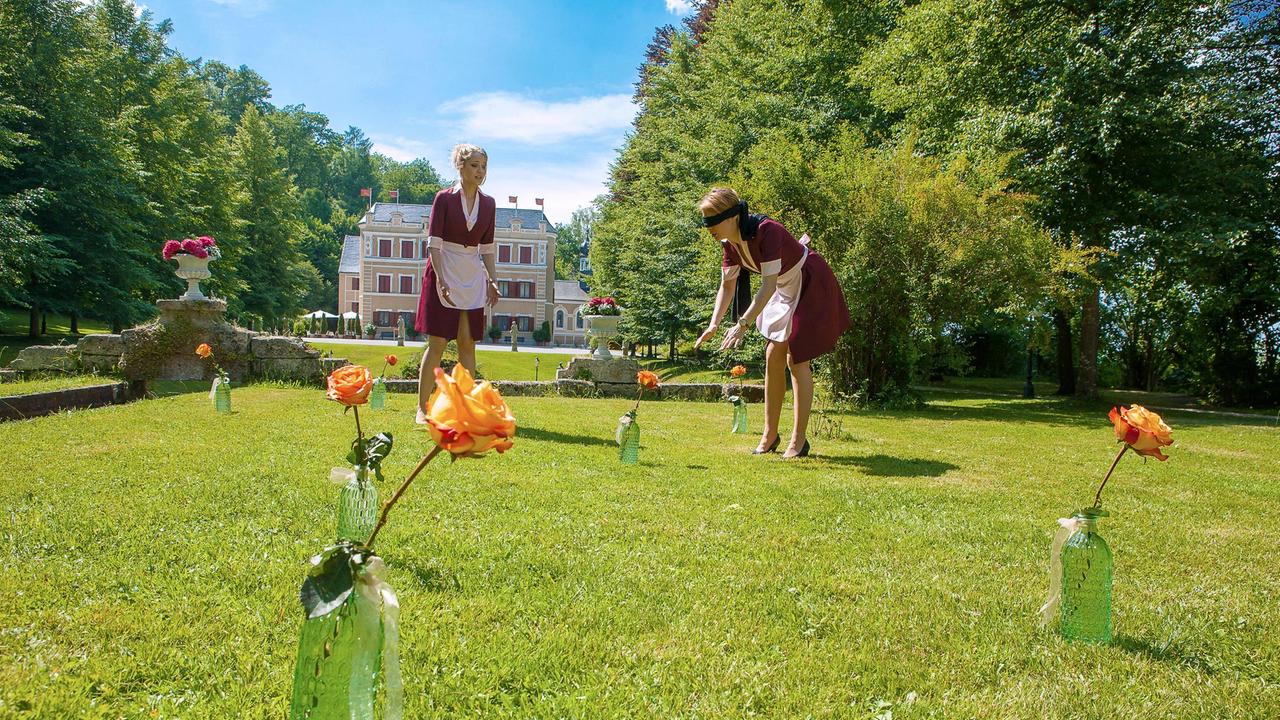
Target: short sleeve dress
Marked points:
807	310
462	238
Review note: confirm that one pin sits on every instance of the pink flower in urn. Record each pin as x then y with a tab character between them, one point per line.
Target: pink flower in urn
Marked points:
171	248
206	241
194	247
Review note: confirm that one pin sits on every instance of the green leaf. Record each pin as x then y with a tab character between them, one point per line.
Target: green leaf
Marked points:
329	582
377	448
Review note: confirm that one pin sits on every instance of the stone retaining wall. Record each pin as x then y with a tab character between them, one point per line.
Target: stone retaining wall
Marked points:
19	407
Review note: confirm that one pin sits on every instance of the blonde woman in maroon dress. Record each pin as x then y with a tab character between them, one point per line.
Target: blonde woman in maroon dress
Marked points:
799	308
459	280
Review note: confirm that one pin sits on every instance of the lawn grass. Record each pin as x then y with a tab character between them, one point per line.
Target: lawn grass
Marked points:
493	364
153	553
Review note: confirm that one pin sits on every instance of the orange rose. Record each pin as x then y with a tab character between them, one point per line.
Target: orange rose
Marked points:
466	417
1142	430
647	379
203	350
738	371
391	360
350	385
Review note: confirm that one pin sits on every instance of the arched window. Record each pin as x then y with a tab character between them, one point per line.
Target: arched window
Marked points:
579	319
559	319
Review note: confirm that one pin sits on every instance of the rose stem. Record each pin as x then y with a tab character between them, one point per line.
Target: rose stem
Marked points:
359	437
400	491
1097	499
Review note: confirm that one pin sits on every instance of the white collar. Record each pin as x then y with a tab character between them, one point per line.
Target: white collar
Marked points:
472	215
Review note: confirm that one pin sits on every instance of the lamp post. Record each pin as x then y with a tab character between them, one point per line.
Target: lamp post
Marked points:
1028	388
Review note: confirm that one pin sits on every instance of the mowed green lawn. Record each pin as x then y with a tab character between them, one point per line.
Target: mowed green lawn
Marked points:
153	553
494	364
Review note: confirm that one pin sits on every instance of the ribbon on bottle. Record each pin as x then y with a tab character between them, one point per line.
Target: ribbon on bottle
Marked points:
341	476
213	391
623	422
1066	528
377	628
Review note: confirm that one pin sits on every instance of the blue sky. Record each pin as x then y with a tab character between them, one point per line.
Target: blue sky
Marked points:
545	86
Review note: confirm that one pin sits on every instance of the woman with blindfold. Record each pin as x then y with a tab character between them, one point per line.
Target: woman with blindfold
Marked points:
799	308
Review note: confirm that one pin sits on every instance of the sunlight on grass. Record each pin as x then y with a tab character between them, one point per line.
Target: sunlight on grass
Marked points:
153	554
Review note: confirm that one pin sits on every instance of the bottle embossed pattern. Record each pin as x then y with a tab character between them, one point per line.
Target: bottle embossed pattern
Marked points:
629	453
378	395
222	397
357	507
1086	582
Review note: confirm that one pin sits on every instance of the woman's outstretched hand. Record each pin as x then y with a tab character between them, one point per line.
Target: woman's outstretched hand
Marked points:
734	337
705	336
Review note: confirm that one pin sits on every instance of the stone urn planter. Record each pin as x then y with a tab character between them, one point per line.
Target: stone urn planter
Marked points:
603	328
192	269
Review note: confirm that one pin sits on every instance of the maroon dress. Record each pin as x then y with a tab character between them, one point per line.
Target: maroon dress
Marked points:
807	310
448	222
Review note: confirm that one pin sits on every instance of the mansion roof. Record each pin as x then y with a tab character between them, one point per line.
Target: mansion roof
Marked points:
416	213
569	291
350	262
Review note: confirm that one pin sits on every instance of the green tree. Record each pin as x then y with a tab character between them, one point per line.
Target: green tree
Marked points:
573	238
353	168
270	263
233	90
416	180
1127	122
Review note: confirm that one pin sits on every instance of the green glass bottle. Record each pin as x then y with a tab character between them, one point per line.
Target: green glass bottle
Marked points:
348	660
358	507
1086	581
629	452
739	415
222	396
327	651
378	395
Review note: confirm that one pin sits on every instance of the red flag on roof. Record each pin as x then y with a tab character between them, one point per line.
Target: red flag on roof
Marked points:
537	201
366	192
512	199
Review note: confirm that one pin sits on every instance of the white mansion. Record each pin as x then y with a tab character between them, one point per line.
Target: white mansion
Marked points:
380	273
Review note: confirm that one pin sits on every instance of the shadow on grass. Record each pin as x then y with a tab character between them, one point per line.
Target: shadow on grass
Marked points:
1068	412
889	466
1167	653
533	433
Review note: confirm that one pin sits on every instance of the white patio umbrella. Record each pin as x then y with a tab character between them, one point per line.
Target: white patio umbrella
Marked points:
318	315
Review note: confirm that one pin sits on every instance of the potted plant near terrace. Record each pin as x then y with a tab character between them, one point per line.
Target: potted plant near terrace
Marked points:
602	315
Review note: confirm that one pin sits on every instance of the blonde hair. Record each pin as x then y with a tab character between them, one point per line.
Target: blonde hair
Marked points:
462	152
717	200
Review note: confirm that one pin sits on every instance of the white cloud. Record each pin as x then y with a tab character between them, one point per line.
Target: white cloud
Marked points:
679	7
565	181
506	116
565	184
403	149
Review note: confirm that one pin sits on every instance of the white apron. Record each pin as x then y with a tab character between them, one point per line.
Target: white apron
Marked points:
774	321
464	274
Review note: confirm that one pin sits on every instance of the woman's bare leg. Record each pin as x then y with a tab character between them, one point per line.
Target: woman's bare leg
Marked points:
466	343
427	370
802	397
775	389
